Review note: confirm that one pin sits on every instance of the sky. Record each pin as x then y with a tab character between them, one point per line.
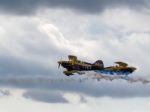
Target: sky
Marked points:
35	34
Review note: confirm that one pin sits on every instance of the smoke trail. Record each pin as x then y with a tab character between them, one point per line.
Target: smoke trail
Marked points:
38	80
44	80
129	79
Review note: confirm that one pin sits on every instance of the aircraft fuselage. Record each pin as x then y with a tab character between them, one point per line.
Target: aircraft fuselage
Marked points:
76	66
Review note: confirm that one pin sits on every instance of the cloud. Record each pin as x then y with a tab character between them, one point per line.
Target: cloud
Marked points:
45	96
24	51
18	103
95	6
53	96
4	92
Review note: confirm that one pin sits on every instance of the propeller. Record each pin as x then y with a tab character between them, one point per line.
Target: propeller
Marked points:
59	63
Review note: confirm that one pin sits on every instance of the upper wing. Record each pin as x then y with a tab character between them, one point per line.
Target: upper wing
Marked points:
121	63
71	57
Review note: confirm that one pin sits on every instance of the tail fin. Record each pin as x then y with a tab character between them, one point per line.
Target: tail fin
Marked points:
99	63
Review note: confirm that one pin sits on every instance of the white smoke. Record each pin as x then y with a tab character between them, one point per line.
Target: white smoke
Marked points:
129	79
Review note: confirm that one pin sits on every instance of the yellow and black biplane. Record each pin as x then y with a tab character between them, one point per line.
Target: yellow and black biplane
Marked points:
73	65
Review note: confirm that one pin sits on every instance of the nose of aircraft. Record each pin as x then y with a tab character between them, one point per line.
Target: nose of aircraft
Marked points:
59	63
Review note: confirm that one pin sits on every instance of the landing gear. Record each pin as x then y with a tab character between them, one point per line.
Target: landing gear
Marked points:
68	73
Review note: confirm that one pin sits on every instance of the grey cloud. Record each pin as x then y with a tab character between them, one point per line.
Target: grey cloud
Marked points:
45	96
11	65
49	96
4	92
15	65
88	6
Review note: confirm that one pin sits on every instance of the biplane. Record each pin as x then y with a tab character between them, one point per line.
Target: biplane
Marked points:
73	65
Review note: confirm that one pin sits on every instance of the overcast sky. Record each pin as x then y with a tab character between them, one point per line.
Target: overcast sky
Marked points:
35	34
